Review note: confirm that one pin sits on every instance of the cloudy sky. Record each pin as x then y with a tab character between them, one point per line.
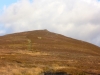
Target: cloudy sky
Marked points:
79	19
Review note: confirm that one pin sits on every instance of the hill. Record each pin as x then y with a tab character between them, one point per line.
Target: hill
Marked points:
33	52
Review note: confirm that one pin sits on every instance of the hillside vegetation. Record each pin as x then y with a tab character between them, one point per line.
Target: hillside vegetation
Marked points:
35	52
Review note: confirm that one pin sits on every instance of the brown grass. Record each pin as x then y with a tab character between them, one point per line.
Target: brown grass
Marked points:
49	51
16	70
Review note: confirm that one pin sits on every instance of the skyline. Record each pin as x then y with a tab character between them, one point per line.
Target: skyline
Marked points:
79	19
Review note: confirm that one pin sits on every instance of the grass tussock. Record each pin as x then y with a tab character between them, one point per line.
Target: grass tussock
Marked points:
16	70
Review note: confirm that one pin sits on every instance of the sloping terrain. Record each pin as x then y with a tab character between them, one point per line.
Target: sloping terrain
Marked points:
33	52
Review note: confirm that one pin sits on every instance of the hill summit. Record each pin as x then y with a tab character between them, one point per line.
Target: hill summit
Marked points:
42	50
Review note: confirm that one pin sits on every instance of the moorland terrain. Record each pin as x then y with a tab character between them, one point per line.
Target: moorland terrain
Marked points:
38	51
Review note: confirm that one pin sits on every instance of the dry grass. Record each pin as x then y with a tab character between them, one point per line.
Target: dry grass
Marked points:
32	53
16	70
49	51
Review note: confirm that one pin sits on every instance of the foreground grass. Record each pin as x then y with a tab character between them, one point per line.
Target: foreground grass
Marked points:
34	63
16	70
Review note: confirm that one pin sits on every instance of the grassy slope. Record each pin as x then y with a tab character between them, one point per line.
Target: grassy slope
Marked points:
43	50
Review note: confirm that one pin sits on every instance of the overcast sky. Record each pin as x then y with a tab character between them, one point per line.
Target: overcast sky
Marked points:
79	19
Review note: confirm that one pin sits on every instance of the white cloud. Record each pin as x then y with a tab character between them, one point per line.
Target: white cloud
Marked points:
75	18
2	32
